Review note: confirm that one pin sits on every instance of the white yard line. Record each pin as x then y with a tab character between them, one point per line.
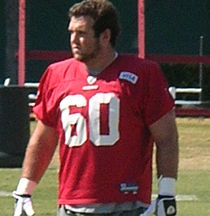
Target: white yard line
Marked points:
179	197
182	197
5	194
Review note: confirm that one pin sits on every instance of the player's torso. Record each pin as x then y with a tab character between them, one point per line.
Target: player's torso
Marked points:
102	110
101	129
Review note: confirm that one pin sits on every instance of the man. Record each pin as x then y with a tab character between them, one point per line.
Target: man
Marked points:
105	109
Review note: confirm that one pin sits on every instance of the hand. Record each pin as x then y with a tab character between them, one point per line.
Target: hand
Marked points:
23	205
162	206
166	206
151	209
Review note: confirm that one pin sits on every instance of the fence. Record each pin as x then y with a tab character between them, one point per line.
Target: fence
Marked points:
174	91
183	107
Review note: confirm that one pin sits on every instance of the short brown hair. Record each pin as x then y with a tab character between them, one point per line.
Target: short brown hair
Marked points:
104	14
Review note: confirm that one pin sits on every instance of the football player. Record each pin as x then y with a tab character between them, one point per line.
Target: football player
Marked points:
106	110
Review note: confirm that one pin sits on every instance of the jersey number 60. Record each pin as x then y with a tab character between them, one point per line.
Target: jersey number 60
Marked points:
77	119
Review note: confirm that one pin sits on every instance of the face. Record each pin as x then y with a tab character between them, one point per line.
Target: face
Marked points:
85	46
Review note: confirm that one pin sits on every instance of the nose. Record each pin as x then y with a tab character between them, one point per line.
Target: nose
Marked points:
73	37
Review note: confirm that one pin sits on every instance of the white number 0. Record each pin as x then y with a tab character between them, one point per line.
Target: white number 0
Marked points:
78	120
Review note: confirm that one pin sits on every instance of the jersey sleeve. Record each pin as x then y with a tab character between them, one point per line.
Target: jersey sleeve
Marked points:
158	100
43	108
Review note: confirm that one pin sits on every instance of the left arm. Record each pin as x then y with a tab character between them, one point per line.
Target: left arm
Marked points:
164	132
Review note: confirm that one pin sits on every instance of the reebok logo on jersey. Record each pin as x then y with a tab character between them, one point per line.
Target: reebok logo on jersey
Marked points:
129	188
125	75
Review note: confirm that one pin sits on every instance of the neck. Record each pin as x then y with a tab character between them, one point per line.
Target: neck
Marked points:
97	65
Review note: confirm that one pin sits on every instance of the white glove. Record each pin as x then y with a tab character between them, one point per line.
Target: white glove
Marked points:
162	206
151	209
23	205
165	204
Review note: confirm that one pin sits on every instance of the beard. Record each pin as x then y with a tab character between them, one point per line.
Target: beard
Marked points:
86	56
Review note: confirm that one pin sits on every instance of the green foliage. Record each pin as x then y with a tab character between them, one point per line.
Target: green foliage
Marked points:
188	76
181	75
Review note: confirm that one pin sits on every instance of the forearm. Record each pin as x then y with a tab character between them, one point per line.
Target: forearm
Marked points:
36	161
37	158
39	152
165	135
167	160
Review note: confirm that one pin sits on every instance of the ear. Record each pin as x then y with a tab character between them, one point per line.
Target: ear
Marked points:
105	37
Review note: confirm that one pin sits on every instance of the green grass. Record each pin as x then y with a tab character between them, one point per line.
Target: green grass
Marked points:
44	199
194	175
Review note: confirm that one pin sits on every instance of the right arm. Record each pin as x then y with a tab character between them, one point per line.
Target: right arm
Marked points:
39	152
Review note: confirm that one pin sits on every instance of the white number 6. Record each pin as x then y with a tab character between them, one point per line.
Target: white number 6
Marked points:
77	119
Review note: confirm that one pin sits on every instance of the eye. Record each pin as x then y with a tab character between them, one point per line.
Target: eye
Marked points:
81	33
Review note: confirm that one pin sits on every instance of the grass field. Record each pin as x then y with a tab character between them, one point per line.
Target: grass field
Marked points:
193	186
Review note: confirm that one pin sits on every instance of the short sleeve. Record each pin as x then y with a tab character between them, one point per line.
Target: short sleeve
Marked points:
158	100
43	108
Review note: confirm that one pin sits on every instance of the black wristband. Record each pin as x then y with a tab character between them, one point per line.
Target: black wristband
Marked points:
165	196
24	195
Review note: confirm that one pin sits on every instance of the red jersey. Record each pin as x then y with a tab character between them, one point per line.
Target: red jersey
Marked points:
102	122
